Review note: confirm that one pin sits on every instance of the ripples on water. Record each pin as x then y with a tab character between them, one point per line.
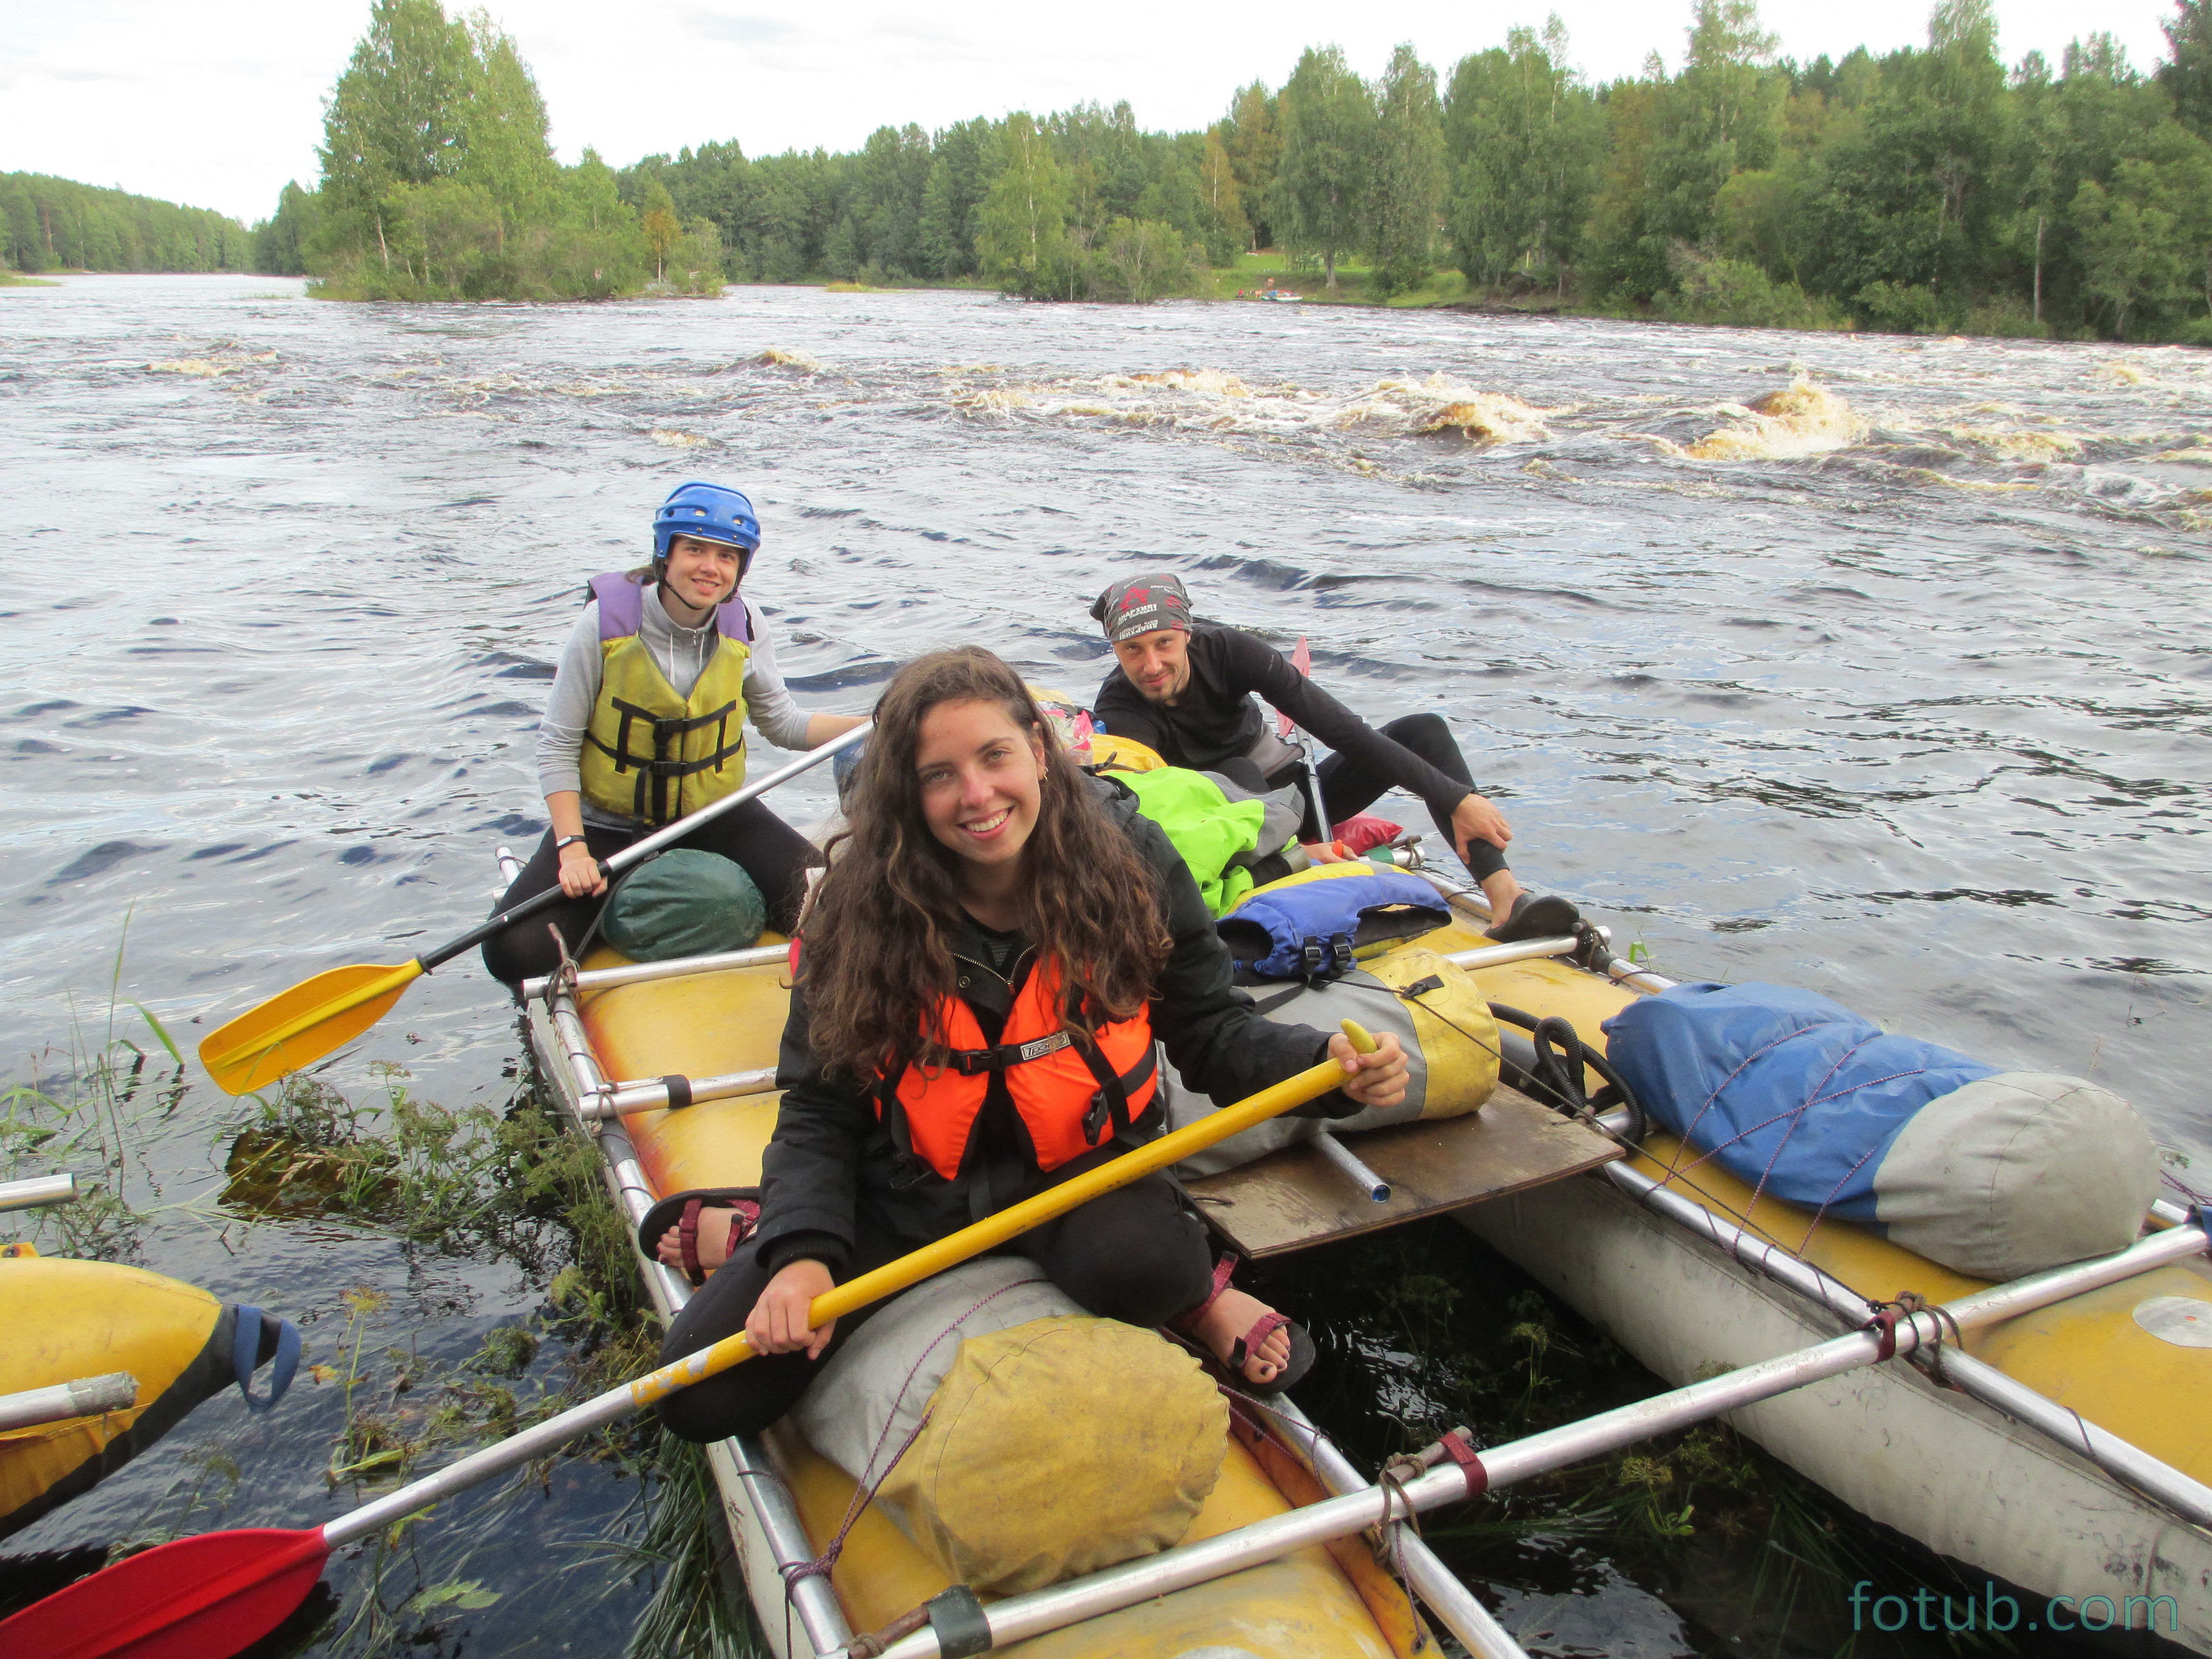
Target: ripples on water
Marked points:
1874	664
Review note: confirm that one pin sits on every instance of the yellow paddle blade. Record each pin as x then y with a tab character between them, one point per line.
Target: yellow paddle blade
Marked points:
302	1025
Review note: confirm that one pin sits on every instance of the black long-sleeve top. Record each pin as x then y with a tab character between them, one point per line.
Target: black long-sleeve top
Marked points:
1215	718
829	1156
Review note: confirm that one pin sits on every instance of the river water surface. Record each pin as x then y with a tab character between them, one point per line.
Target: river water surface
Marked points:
1895	686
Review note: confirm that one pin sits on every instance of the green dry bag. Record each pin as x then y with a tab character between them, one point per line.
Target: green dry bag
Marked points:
684	903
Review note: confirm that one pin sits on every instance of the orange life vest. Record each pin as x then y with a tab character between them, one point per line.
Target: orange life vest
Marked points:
1069	1092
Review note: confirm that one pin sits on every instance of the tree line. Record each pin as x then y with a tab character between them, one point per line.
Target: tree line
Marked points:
1929	188
54	224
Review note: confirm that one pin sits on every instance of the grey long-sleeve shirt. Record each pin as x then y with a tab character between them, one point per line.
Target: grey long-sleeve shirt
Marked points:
681	654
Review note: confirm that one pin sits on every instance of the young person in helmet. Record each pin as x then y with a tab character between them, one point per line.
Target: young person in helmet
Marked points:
1184	689
645	725
996	945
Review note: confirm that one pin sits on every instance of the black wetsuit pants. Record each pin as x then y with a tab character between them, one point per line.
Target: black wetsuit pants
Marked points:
1346	788
1136	1254
772	853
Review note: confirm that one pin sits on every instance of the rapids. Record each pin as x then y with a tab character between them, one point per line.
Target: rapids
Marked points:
1871	664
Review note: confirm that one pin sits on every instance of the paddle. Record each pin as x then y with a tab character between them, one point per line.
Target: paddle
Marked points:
207	1597
302	1025
1301	660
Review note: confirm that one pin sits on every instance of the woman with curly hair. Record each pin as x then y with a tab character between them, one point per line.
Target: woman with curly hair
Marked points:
997	944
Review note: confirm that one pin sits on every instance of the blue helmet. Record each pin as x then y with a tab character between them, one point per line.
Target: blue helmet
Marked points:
709	512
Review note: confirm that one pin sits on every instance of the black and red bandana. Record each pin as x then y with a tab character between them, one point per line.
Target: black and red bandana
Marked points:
1140	604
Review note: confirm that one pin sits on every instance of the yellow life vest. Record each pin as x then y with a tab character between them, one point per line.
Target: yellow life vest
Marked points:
649	754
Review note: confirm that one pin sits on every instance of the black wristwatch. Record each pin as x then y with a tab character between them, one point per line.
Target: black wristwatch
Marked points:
569	840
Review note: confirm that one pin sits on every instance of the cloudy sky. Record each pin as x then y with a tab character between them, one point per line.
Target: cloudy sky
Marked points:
217	102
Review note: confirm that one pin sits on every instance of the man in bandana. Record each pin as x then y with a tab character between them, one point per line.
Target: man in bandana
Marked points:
1184	689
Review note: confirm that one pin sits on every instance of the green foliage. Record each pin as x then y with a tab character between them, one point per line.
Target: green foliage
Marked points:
439	181
1254	144
1322	182
1140	259
1406	174
1525	138
53	224
1740	294
1926	188
1021	230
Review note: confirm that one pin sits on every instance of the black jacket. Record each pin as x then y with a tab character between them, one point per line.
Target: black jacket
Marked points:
829	1156
1215	718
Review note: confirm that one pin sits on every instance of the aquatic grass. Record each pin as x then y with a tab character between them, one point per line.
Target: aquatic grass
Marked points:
683	1549
91	1105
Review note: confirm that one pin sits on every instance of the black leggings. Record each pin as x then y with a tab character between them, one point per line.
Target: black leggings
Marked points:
772	853
1136	1254
1346	788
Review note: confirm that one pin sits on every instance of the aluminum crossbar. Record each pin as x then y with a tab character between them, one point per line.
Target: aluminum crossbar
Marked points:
37	1191
652	1094
88	1396
638	973
2117	1457
1020	1617
1452	1602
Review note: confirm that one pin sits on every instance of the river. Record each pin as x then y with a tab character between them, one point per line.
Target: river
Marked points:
1896	686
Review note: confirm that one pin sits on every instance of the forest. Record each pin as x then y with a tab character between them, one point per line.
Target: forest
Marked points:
53	224
1930	189
1934	188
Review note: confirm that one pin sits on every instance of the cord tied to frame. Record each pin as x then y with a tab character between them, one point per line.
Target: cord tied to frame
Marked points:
1888	1315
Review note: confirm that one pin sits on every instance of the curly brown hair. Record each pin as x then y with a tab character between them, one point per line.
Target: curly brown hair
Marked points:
877	962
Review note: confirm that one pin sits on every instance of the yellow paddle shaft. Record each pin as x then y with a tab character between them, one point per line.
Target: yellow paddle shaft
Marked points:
317	1014
1016	1220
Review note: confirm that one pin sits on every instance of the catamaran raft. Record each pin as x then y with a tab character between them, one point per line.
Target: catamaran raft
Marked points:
2036	1424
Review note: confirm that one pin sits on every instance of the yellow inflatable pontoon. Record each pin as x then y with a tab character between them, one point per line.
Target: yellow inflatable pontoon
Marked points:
67	1320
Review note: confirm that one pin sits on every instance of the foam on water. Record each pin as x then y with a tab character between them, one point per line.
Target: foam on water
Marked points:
1802	419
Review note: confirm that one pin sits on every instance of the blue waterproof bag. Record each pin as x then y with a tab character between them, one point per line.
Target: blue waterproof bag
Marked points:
1791	1092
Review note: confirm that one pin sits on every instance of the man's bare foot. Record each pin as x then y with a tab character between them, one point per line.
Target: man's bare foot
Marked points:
1232	1315
1504	892
716	1222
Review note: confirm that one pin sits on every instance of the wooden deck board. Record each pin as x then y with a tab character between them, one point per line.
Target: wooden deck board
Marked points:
1294	1198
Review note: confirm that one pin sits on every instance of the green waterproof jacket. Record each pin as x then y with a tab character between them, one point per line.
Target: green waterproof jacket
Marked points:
1207	828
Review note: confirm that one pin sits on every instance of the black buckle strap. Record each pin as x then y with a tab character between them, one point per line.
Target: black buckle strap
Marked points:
974	1062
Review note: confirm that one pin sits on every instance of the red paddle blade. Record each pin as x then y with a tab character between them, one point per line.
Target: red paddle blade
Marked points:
198	1598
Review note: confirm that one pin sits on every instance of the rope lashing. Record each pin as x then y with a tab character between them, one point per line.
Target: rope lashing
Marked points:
1888	1315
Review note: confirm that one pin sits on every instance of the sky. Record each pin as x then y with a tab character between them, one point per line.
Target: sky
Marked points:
216	103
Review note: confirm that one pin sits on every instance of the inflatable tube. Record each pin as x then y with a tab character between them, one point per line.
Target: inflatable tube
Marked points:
65	1319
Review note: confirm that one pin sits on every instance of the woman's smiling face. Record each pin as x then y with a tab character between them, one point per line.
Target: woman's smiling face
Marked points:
981	777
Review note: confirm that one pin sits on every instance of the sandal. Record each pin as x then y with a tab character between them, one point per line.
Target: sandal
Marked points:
1288	1375
1547	917
681	1211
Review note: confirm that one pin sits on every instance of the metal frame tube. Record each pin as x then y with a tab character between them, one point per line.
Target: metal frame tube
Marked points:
2116	1458
84	1396
1454	1605
820	1615
1024	1616
37	1191
622	1099
1020	1617
1526	950
1341	1156
638	973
